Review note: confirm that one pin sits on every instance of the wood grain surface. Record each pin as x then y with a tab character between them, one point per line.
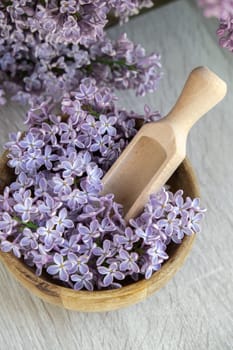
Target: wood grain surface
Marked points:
194	310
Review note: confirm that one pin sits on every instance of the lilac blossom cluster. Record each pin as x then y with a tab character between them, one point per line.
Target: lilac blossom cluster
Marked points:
53	214
48	47
223	10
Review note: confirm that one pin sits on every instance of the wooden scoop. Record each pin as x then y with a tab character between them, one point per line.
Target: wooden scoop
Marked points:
159	147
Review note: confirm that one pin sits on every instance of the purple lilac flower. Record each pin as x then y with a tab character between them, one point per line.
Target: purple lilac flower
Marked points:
75	198
62	186
182	229
49	157
69	6
42	187
23	181
128	239
110	273
94	174
194	221
33	160
7	246
30	142
49	206
29	239
149	233
101	144
61	221
128	261
73	166
196	205
50	132
79	263
90	125
87	248
223	11
106	125
6	200
150	268
25	209
48	233
83	281
87	90
60	267
7	223
159	201
91	232
216	7
157	252
41	258
104	252
181	205
67	131
71	245
170	223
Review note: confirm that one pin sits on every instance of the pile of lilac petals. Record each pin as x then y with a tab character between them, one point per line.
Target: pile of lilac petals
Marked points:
54	216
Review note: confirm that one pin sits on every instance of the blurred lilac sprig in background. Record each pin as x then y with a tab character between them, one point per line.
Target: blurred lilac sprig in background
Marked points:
223	10
47	47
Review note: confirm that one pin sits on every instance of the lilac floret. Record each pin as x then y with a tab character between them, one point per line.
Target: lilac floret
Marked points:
30	142
110	273
91	232
128	239
71	245
79	263
25	209
128	261
29	239
49	157
157	252
170	223
7	246
60	267
194	221
73	166
48	233
61	221
62	186
49	206
83	281
104	252
75	199
223	11
7	223
106	125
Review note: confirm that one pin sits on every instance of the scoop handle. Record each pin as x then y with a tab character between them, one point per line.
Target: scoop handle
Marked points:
202	91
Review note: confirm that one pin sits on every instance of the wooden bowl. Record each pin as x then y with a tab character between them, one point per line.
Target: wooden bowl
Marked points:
97	301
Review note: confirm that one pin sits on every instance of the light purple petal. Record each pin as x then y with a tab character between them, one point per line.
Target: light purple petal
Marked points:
103	270
63	275
108	279
58	259
53	269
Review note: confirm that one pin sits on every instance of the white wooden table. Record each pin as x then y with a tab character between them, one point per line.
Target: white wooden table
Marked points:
194	310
